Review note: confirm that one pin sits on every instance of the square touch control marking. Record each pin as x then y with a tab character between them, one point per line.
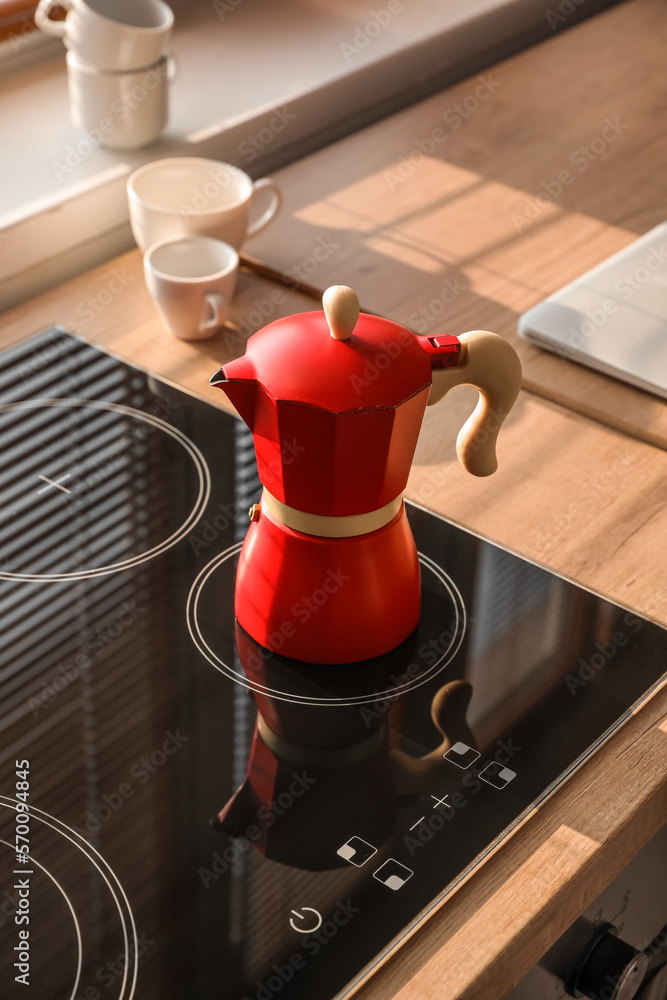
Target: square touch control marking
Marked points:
356	851
462	755
497	775
393	874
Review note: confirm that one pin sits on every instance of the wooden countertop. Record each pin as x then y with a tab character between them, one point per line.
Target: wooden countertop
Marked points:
584	496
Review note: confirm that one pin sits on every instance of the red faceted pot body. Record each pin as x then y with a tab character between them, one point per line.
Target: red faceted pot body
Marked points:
335	424
328	600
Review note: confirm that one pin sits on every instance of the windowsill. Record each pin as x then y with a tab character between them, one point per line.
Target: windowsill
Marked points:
62	201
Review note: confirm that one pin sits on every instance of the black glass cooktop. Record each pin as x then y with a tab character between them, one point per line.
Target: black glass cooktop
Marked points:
184	816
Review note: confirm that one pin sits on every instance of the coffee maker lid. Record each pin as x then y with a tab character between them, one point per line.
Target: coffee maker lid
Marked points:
333	360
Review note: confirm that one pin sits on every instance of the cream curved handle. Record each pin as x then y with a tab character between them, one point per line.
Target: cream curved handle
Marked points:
490	364
43	19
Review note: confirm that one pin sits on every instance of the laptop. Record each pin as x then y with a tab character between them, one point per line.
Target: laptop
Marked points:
614	317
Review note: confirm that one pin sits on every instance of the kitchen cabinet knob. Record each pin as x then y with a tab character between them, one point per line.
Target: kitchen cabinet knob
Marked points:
610	969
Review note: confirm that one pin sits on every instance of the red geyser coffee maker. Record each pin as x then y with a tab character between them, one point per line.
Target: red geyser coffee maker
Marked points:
329	571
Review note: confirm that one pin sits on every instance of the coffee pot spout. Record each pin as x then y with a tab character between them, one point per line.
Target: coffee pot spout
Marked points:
241	392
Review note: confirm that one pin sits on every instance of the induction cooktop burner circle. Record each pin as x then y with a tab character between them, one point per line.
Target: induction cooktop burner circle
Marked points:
437	639
33	862
65	844
73	493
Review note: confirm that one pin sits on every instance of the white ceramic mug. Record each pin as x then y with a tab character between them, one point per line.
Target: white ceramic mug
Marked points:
119	110
192	281
183	195
111	34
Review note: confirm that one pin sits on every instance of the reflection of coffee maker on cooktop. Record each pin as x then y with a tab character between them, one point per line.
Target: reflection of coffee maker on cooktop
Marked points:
329	571
335	768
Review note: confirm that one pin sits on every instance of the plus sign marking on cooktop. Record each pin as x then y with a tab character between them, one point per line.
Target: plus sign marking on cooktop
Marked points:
54	484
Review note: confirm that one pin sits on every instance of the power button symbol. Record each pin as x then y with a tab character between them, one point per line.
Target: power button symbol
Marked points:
305	920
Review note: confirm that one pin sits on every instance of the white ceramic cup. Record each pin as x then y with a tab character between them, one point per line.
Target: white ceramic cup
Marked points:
119	110
192	281
190	195
111	34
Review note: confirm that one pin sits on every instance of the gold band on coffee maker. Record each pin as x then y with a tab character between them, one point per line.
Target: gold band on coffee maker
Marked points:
327	526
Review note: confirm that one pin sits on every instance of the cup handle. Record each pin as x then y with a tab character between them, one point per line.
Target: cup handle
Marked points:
218	310
273	207
43	20
172	67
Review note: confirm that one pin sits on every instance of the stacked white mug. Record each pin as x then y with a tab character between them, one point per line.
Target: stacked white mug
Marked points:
118	66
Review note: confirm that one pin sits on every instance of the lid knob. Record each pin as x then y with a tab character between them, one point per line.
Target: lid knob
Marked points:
341	308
